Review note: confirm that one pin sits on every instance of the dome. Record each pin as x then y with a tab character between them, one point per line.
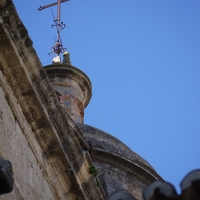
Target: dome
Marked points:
106	142
119	167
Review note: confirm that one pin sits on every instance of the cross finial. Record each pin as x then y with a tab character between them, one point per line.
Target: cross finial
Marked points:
58	46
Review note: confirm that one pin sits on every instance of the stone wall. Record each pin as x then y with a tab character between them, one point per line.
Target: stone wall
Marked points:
30	182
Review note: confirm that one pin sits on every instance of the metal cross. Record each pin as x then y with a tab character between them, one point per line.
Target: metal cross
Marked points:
58	47
53	4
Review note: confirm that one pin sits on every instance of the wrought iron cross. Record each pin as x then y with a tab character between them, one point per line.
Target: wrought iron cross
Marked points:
58	47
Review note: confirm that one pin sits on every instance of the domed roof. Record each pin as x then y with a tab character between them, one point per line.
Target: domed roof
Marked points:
105	142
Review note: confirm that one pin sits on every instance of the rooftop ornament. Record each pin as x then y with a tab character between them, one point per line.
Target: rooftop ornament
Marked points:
58	46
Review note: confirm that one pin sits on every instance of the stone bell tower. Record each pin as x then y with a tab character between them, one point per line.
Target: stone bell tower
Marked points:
72	87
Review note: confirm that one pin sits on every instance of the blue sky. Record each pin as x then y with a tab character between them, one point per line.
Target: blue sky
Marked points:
143	59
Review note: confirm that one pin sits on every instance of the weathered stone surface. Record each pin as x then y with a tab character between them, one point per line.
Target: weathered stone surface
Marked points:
29	180
6	176
2	4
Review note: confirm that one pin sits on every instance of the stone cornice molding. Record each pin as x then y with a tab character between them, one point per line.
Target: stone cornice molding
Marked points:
143	172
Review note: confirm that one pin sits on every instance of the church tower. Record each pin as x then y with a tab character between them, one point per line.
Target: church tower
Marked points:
72	87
